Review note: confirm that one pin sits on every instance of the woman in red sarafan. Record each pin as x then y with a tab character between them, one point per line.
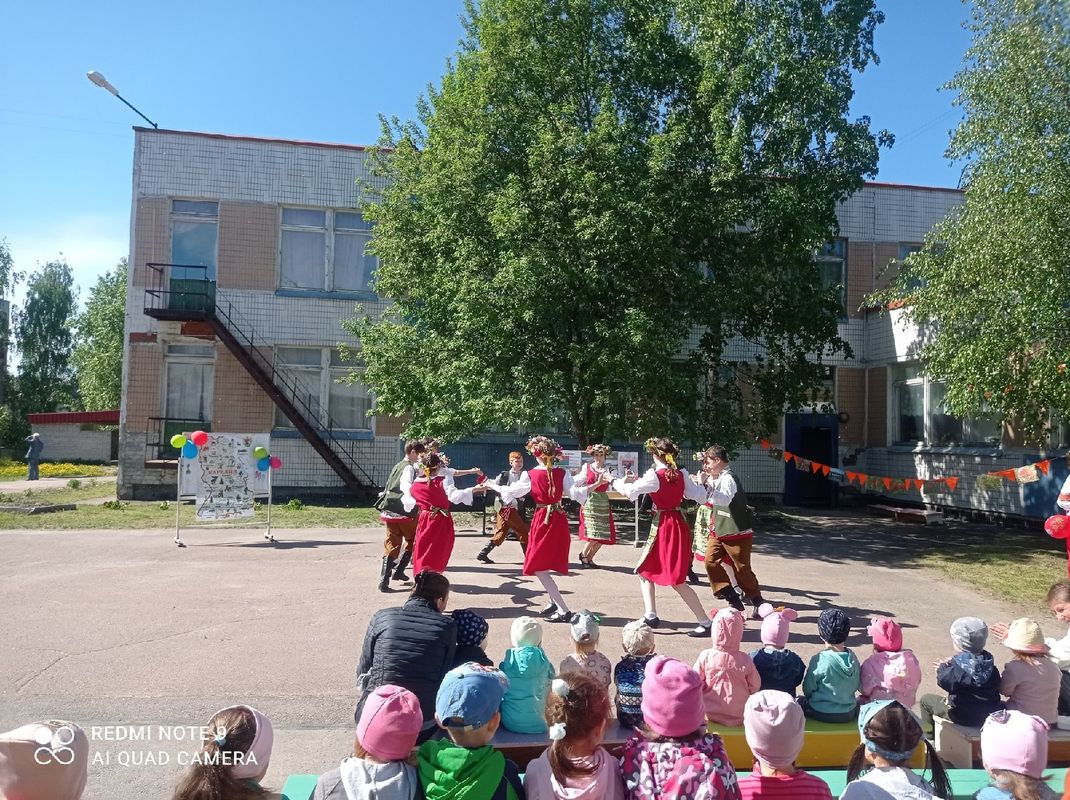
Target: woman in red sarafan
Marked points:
548	538
433	491
667	556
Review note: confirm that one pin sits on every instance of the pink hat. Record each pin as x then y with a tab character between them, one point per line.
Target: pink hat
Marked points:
1015	741
775	623
774	726
886	634
390	722
672	697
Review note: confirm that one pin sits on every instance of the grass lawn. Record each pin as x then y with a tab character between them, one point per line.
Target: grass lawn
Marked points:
85	489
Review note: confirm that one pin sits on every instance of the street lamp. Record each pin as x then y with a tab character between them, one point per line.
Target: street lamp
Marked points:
102	82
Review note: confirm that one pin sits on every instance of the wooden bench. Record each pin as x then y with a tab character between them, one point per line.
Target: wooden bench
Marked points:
920	516
960	746
827	744
964	782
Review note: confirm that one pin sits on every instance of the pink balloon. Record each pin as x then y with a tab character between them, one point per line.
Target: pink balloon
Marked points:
275	462
199	438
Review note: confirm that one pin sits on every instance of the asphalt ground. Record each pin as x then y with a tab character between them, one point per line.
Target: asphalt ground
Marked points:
127	635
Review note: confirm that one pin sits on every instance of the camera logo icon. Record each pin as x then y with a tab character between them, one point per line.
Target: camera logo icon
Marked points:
54	745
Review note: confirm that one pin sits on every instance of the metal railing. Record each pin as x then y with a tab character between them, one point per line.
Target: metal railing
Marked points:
161	429
191	294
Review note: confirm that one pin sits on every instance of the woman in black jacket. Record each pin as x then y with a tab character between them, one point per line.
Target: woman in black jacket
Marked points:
412	646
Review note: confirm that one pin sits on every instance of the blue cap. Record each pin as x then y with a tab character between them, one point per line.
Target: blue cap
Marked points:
469	696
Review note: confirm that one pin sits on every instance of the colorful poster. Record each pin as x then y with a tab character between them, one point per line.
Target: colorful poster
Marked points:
223	478
573	460
622	463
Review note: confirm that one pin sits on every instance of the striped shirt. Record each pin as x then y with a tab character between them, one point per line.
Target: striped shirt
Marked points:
800	786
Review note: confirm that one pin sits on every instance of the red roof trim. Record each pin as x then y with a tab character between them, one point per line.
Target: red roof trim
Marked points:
75	418
234	137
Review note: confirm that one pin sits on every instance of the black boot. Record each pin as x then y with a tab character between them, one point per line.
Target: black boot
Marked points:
484	554
733	599
399	573
384	576
756	603
692	578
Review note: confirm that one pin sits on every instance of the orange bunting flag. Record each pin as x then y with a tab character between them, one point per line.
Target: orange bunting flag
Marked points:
951	483
851	477
862	478
887	483
1043	466
815	467
765	444
1009	474
826	469
788	456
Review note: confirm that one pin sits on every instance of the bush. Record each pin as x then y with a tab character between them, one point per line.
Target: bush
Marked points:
74	483
295	505
116	505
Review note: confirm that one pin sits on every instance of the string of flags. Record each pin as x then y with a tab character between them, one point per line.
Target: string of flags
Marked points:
1030	473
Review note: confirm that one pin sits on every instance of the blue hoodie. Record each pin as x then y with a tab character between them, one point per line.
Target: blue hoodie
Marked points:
971	681
529	672
832	680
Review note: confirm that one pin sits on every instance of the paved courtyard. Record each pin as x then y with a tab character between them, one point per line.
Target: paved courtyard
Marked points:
121	631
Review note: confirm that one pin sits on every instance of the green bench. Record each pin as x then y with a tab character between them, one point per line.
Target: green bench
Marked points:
964	782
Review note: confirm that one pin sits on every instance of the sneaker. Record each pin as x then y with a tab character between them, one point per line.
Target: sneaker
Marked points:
699	631
560	616
652	622
548	611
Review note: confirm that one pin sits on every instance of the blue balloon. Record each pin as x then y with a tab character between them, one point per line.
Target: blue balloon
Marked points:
263	464
189	450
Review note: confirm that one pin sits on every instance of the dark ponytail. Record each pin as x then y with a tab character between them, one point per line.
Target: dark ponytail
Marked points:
211	777
430	586
894	729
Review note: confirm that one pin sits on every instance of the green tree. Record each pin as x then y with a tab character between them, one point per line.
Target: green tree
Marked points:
1003	343
98	349
43	337
608	208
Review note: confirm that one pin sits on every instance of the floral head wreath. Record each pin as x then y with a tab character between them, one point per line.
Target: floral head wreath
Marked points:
599	450
544	447
650	445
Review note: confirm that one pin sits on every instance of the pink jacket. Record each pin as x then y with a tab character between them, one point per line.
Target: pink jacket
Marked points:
728	675
890	675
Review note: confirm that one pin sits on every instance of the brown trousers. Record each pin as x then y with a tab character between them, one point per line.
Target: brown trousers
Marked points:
738	551
396	531
509	519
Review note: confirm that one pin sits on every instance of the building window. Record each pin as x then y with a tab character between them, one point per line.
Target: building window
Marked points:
188	382
921	415
905	251
314	374
194	232
1060	431
325	250
831	263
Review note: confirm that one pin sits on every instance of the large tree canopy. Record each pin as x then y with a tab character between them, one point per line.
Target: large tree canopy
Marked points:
98	349
43	337
604	203
991	289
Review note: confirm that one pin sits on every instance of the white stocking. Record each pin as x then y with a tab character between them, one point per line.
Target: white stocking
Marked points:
650	602
550	585
688	594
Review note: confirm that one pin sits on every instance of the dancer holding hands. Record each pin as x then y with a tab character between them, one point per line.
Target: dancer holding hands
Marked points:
596	517
667	555
548	537
432	491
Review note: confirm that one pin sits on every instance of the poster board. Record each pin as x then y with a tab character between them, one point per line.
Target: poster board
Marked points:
223	478
573	459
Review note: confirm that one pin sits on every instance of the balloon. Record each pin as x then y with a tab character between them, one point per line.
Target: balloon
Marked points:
263	464
1058	527
260	452
199	438
275	461
177	441
189	450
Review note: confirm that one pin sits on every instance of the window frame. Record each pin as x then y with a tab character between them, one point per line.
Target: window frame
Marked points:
191	217
172	358
969	425
821	258
331	232
325	373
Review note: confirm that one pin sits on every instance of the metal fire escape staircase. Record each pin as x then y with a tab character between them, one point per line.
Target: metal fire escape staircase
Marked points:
185	293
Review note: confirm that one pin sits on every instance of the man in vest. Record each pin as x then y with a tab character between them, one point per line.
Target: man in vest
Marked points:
509	517
731	533
400	524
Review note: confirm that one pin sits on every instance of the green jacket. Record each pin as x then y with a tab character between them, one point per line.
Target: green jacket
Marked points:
831	681
390	498
734	518
451	772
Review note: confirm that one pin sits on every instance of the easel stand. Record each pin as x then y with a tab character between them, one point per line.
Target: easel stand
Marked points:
268	533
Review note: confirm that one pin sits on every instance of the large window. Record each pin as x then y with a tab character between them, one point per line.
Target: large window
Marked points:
188	382
905	251
194	233
317	373
921	415
325	250
831	260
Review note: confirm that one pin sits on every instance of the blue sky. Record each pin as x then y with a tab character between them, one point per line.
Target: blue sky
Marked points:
314	70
